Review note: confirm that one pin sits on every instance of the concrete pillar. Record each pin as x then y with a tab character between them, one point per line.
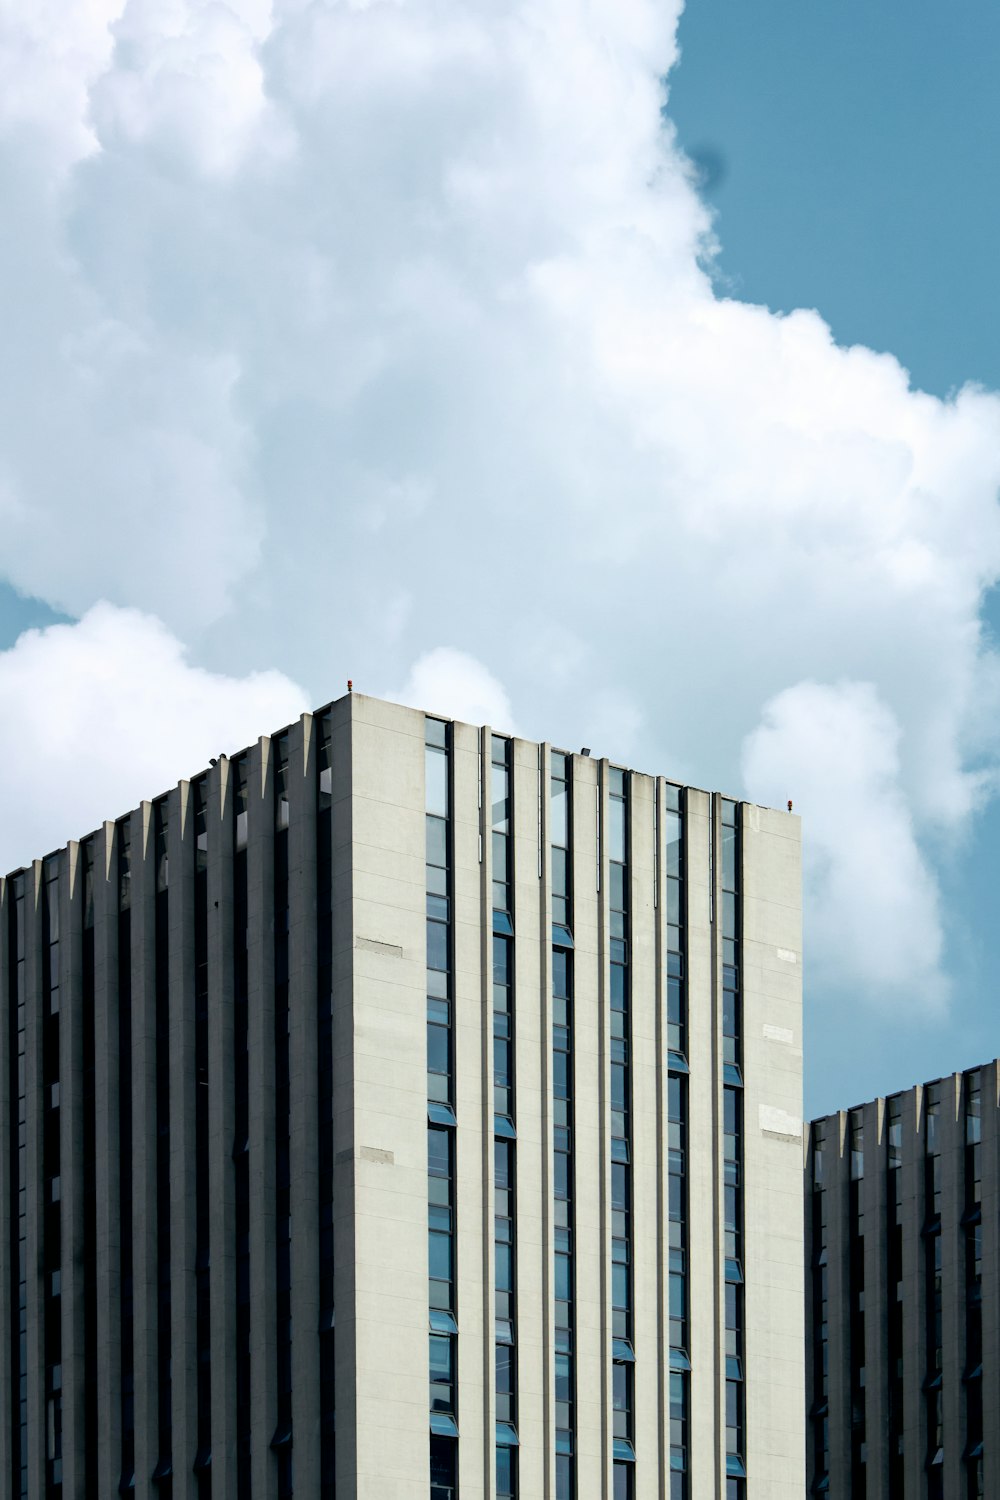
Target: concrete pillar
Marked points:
837	1173
771	957
877	1291
145	1260
914	1326
990	1085
183	1202
380	1131
108	1248
533	1080
7	1312
704	1158
304	1159
645	1065
71	1165
591	1153
34	1095
221	1178
474	1103
952	1142
260	940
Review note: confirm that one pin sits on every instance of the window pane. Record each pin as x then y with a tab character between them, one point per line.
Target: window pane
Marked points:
437	842
436	762
437	946
559	830
439	1256
616	830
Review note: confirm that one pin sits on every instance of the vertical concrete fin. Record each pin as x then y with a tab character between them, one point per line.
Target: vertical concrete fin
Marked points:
71	1086
183	1082
304	1165
221	1122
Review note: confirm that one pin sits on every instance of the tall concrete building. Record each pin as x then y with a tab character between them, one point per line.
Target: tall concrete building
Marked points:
397	1110
903	1294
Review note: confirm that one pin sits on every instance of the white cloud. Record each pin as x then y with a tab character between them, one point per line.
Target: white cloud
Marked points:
357	328
873	909
98	715
452	683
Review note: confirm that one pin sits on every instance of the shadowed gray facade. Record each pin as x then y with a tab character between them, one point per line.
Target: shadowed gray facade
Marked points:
903	1294
253	1108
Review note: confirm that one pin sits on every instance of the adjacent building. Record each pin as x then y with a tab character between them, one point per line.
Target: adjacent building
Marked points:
400	1110
903	1299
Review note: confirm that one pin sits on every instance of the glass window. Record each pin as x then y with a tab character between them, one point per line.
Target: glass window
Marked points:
437	945
438	1152
623	1482
437	1049
437	842
443	1456
442	1396
616	830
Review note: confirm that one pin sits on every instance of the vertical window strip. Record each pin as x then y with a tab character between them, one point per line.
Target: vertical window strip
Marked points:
819	1410
560	827
241	1135
732	1027
124	834
161	941
51	1169
504	1149
972	1228
443	1335
856	1279
18	1189
325	1150
281	1442
934	1373
894	1280
203	1292
677	1122
89	1179
623	1367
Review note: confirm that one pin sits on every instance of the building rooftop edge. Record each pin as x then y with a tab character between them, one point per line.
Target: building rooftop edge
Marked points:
428	713
925	1083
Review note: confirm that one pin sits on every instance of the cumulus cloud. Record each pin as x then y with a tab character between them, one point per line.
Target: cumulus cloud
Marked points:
452	683
98	715
873	908
335	332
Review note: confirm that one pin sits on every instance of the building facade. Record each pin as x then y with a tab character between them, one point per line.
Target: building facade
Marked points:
903	1301
400	1110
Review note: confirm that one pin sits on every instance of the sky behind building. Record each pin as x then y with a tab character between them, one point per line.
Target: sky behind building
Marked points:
404	343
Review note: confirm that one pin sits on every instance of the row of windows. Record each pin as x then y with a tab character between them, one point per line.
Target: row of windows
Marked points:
203	1290
932	1312
164	1465
443	1337
160	1104
733	1142
282	1439
623	1367
325	1105
504	1149
856	1295
677	1115
18	1190
52	1169
560	827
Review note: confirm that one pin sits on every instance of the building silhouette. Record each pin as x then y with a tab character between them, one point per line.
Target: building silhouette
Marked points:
397	1110
903	1294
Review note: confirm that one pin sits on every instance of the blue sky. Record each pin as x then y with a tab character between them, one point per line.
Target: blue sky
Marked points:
389	343
850	152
